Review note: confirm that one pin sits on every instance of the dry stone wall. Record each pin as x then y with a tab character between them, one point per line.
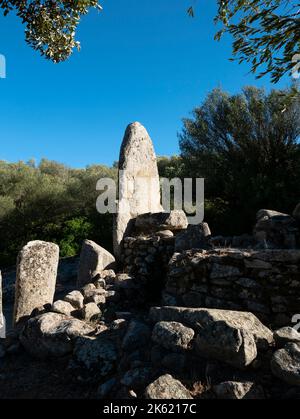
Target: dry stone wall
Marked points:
266	282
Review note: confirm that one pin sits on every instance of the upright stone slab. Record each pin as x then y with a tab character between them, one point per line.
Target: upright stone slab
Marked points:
139	189
36	277
2	321
93	260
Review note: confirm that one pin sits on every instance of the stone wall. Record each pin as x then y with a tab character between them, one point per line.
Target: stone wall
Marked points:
147	258
266	282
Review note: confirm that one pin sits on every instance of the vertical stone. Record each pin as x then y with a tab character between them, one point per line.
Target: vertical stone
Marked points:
2	321
36	277
139	188
93	260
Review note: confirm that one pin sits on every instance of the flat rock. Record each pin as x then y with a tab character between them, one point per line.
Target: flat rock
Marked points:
173	221
172	335
167	387
52	334
285	364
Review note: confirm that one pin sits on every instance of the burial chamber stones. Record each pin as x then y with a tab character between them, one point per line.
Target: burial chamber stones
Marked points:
139	188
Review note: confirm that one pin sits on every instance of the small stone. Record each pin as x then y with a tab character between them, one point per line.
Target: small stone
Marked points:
97	296
63	307
236	390
87	288
91	311
75	298
167	387
286	334
172	335
164	234
285	364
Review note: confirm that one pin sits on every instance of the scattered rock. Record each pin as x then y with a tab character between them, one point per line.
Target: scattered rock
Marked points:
75	298
62	307
285	364
167	387
285	335
237	390
97	296
172	335
90	311
52	334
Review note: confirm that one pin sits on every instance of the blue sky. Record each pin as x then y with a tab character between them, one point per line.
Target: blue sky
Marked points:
143	61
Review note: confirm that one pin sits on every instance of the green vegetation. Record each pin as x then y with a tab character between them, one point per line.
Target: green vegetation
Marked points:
50	202
246	147
265	33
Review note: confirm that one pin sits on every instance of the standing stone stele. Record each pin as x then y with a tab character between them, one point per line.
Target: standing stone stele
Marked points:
36	277
93	260
139	188
2	321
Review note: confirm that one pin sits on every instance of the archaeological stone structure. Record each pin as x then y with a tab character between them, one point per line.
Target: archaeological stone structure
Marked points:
139	189
184	314
36	277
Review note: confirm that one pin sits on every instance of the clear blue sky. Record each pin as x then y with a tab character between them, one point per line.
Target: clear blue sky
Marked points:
141	61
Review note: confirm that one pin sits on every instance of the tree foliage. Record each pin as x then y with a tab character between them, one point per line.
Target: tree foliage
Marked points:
247	150
50	25
265	33
50	202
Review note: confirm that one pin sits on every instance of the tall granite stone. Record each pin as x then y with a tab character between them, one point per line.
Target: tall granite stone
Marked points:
36	277
93	260
2	321
139	189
